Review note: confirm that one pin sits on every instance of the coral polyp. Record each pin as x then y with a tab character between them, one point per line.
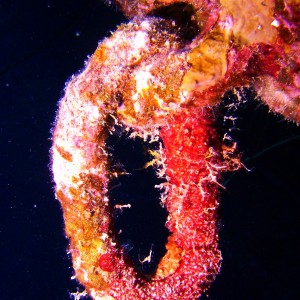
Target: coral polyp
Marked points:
160	78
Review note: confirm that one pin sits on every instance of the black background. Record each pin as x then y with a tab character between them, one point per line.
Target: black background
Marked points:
42	44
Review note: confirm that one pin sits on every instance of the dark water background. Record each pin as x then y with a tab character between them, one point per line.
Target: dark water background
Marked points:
42	44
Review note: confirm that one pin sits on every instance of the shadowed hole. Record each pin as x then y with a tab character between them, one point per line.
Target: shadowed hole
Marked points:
183	15
139	229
